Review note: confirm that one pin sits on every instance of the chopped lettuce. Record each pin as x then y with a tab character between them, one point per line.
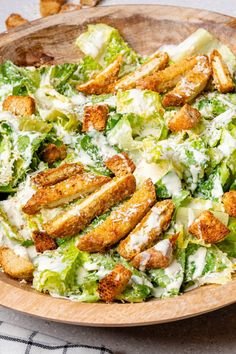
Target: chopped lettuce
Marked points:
104	43
206	265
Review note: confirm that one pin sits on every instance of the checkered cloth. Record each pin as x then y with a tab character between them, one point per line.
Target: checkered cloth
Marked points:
17	340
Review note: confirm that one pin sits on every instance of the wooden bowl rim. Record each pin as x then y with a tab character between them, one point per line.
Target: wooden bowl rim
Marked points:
23	298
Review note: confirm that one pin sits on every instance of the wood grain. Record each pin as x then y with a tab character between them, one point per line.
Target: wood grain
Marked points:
52	40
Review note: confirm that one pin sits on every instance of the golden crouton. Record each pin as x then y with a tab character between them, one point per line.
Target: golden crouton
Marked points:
74	187
50	7
121	221
15	20
221	75
229	200
70	7
95	117
191	85
101	83
186	118
77	217
148	230
208	228
58	174
15	266
120	164
53	153
19	105
114	283
157	62
89	2
43	242
166	79
159	256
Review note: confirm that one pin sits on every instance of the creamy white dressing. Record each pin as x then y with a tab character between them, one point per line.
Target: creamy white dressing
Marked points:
172	183
199	260
165	247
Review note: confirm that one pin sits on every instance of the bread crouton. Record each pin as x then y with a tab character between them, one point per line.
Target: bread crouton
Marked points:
121	221
95	117
159	256
208	228
221	75
229	201
166	79
15	266
70	7
43	242
186	118
72	188
191	85
146	233
19	105
15	20
157	62
77	217
102	82
53	153
58	174
114	283
89	2
50	7
120	164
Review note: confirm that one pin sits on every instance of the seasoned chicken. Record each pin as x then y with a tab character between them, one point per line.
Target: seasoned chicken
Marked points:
157	62
101	83
53	153
229	201
186	118
120	164
95	117
166	79
221	75
58	174
15	20
72	188
148	230
121	221
191	85
208	228
16	266
43	242
77	217
114	283
19	105
159	256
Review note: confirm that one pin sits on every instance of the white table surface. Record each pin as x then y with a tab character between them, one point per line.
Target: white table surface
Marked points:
212	333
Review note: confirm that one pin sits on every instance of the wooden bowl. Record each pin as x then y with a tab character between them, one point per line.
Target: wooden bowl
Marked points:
52	40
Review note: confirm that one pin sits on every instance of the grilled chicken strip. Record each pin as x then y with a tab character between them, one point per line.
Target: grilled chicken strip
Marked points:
222	77
166	79
101	83
77	217
114	283
157	62
58	174
75	187
191	85
159	256
148	230
121	221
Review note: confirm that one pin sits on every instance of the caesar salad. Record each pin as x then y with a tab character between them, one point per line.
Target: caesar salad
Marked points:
118	172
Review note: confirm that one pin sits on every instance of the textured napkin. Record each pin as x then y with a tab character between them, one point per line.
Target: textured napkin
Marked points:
18	340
